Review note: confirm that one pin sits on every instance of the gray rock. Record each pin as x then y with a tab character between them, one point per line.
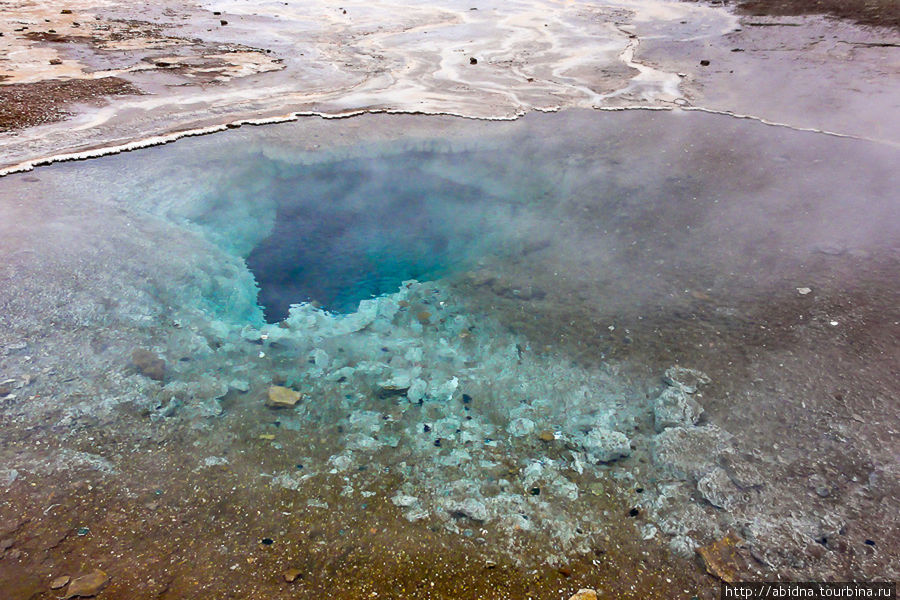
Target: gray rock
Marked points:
689	380
819	485
742	472
718	489
604	445
689	453
683	546
8	476
674	407
470	508
404	501
520	427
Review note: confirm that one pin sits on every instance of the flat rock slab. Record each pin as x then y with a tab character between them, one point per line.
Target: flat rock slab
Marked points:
724	560
282	397
87	585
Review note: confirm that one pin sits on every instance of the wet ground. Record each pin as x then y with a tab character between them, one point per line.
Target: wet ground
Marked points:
762	256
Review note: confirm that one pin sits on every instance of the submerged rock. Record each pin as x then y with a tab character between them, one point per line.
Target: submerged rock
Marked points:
689	380
723	559
87	585
718	489
689	453
584	594
282	397
404	501
674	407
520	427
604	445
470	508
60	582
149	364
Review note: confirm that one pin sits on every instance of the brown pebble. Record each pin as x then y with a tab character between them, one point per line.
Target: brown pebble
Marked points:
282	397
564	571
424	317
547	436
60	582
88	585
292	575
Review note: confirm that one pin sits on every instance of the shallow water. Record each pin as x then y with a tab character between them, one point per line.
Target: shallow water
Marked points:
564	262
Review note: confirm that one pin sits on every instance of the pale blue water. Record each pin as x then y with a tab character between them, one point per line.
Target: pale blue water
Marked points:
536	244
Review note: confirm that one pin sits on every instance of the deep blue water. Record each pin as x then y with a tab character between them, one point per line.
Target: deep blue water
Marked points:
350	230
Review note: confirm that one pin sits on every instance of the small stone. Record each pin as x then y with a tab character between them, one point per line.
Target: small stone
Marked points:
469	508
149	364
424	317
292	575
584	594
65	11
521	426
8	476
267	436
547	436
7	543
223	22
404	501
604	445
704	63
831	249
60	582
674	407
803	290
55	61
88	585
282	397
473	61
688	380
719	490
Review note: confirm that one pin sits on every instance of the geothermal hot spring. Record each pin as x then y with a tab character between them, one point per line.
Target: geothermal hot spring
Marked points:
570	337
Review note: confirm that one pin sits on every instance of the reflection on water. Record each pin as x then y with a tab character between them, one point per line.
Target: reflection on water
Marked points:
483	399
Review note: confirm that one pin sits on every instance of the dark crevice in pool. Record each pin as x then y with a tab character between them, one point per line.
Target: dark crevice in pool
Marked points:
350	230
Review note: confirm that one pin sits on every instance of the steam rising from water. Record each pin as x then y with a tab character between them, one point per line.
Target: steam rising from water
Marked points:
573	214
